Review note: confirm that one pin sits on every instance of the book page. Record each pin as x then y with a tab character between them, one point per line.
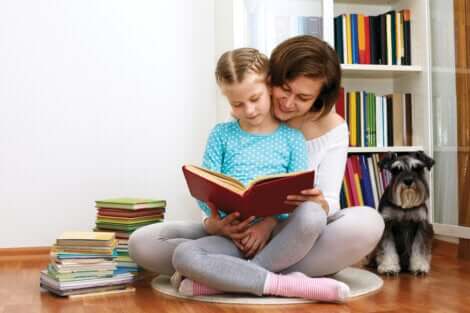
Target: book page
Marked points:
218	178
262	179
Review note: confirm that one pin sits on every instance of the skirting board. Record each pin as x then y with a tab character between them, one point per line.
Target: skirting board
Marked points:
452	230
24	251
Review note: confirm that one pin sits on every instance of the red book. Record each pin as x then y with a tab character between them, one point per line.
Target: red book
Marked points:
340	103
264	196
127	213
351	183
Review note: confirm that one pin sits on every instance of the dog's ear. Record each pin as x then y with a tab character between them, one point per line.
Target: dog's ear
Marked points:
387	160
423	157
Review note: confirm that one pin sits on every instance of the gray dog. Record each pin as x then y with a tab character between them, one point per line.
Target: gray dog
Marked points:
407	239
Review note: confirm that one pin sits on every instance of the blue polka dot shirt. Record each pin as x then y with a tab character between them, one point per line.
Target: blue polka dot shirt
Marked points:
245	156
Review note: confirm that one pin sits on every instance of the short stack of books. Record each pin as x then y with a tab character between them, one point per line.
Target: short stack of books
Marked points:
83	263
123	216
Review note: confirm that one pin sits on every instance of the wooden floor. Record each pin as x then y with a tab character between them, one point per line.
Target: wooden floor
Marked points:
446	289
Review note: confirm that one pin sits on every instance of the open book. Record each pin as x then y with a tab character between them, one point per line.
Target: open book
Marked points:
264	196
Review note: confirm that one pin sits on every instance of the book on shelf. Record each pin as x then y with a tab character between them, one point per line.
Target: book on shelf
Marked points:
130	203
381	39
264	196
377	121
364	182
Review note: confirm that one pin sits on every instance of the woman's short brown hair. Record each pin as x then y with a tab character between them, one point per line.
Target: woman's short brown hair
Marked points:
233	65
310	57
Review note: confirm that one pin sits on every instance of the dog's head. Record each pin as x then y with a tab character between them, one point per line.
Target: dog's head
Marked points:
409	187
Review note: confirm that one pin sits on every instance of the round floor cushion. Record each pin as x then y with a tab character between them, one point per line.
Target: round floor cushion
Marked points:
360	281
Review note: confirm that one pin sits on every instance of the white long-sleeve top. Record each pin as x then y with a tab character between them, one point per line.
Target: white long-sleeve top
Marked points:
327	155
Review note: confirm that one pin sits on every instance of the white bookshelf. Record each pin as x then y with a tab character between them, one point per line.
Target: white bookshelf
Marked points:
380	79
378	71
384	149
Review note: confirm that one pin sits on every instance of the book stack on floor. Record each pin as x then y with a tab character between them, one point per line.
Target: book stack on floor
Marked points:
123	216
84	263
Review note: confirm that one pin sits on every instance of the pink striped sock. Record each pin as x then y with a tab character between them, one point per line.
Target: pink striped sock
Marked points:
301	286
192	288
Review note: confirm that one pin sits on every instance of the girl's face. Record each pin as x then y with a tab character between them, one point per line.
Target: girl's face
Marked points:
296	97
250	101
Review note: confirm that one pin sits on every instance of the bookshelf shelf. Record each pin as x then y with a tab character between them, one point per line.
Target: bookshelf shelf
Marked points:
378	71
384	149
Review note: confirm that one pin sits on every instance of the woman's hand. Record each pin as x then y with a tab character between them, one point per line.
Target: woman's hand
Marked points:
257	237
314	195
229	227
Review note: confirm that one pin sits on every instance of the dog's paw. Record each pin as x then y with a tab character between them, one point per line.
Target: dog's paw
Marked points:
419	265
389	268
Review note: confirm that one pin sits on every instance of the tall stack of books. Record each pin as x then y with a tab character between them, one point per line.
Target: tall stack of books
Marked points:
83	263
123	216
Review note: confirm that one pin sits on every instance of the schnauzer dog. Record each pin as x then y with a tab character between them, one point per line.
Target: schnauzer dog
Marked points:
407	239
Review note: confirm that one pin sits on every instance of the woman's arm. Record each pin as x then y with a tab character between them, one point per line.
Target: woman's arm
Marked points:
329	174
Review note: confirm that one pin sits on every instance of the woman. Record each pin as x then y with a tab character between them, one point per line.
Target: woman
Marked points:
305	78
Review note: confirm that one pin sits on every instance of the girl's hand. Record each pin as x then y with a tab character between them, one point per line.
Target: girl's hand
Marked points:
257	237
314	195
229	227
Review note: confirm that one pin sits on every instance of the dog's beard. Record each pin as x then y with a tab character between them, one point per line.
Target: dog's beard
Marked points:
408	196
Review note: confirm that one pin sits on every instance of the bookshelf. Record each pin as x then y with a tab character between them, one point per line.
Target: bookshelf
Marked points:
379	79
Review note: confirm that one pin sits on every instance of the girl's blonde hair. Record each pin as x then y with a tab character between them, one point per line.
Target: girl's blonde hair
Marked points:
234	65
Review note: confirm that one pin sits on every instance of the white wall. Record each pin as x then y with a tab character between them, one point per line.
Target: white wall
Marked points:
99	99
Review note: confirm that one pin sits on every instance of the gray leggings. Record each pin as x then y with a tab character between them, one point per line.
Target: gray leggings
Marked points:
305	242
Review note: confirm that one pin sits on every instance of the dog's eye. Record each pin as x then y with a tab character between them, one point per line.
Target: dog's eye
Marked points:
418	169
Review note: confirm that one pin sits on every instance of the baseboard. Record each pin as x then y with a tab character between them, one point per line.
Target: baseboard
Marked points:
24	251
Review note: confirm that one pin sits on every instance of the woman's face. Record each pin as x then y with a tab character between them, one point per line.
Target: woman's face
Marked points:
296	97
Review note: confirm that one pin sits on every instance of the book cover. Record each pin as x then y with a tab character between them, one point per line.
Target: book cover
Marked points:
366	184
265	196
345	35
129	213
130	203
361	34
339	37
78	235
397	119
408	121
351	182
374	42
357	179
407	36
340	104
354	39
367	37
383	39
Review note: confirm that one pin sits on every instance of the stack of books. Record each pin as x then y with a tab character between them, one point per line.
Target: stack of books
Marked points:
84	263
123	216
